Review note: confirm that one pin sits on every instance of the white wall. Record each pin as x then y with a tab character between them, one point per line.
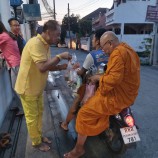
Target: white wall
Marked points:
134	40
5	12
85	43
130	12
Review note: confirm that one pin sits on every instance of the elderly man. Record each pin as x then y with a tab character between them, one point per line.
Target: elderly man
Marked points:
32	76
118	89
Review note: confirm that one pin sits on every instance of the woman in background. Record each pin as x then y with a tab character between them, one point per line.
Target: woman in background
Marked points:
10	51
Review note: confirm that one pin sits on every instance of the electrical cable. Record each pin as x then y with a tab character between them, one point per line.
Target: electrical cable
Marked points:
47	7
85	6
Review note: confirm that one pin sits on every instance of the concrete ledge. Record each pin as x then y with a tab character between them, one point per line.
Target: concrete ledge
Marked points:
6	93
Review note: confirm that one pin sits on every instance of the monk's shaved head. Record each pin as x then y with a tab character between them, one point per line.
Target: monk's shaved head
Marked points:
107	36
109	42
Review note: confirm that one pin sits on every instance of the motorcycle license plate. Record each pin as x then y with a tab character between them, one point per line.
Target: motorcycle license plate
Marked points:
130	134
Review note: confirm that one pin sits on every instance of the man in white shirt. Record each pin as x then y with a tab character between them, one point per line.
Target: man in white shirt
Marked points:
94	58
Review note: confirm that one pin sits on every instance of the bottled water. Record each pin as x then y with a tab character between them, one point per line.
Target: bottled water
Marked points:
69	66
67	73
74	59
93	70
79	81
73	76
101	68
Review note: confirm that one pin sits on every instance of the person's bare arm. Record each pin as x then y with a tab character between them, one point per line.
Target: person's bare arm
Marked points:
51	64
48	65
59	67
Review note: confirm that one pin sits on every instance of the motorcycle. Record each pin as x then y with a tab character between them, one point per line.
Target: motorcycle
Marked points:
122	132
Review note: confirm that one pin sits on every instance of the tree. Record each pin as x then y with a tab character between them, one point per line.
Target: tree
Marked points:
73	23
85	27
63	34
82	27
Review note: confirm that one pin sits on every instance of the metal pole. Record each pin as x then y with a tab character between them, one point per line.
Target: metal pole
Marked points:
14	7
155	53
69	25
54	10
33	23
152	47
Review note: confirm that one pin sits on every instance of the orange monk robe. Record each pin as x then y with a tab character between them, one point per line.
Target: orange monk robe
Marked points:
118	88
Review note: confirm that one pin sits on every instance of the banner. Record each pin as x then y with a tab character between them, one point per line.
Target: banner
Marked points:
16	2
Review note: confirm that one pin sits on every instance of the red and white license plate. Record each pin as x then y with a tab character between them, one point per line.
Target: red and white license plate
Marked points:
130	134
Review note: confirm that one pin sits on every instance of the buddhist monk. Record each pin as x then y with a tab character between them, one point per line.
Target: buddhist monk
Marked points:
118	89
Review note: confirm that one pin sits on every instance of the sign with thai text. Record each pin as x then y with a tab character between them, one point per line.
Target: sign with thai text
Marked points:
152	13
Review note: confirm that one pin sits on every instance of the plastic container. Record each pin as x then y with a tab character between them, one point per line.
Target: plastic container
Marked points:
79	81
93	70
101	68
74	59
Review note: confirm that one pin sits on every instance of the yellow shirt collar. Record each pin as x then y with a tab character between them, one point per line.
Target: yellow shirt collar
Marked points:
42	39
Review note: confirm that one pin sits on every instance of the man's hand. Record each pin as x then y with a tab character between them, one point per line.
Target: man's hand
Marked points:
93	79
65	55
63	67
76	65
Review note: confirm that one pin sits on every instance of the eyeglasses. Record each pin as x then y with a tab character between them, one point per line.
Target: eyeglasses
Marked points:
108	42
105	43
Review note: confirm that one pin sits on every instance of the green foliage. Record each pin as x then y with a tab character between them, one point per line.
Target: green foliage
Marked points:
143	54
73	23
147	45
63	35
85	27
82	27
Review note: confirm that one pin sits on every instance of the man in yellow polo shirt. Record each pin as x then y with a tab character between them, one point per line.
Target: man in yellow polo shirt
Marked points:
32	77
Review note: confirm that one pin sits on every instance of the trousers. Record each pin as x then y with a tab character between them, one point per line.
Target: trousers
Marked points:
33	110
